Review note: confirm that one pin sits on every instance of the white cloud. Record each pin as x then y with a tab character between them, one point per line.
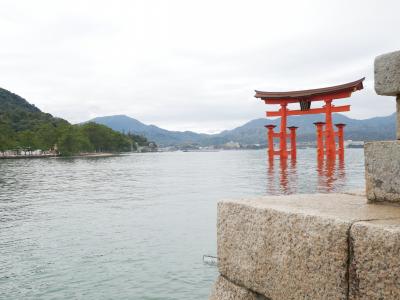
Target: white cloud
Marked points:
189	64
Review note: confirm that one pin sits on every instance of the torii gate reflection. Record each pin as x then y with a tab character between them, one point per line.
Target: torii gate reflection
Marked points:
283	176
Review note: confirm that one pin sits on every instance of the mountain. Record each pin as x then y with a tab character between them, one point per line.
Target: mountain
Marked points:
253	132
378	128
20	115
161	136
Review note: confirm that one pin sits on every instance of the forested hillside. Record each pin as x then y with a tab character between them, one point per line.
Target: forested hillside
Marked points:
24	126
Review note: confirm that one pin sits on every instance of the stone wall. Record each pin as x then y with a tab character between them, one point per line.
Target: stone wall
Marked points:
321	246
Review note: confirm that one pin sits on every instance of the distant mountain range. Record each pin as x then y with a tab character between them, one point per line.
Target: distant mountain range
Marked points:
253	132
153	133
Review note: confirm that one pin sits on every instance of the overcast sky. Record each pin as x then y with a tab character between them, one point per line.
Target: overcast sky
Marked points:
190	65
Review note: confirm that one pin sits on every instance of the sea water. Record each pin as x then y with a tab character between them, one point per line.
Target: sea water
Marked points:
136	226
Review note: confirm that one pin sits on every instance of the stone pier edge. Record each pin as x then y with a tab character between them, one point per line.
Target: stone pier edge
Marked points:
350	252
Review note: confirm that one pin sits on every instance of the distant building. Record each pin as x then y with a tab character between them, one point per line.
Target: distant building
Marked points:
354	144
231	145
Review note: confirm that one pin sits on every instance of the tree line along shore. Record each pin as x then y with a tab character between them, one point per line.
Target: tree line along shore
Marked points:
26	129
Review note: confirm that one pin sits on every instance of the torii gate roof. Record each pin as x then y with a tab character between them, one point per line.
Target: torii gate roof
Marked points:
332	92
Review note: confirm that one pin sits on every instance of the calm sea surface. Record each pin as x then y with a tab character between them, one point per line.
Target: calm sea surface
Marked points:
135	226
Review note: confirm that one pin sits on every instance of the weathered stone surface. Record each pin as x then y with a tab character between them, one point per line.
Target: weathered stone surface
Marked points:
387	74
375	260
398	116
382	171
292	247
226	290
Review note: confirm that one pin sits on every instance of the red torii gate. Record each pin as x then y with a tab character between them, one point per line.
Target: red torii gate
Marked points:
305	98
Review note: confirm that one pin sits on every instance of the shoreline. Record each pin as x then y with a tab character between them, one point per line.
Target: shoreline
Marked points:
28	156
105	154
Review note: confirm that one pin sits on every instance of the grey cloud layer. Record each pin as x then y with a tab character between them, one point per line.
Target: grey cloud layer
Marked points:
189	64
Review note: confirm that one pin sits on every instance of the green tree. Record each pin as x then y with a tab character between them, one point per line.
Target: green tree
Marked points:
72	141
7	137
47	136
27	140
104	138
